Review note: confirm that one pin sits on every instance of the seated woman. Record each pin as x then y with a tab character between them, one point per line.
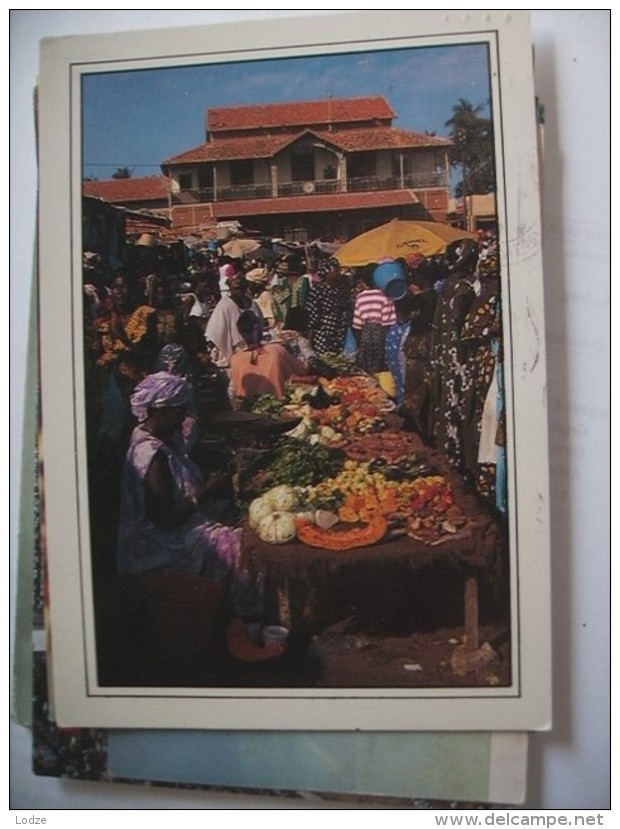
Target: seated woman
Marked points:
164	525
261	368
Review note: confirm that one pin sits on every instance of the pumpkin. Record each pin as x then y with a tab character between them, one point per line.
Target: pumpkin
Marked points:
283	498
259	509
347	539
278	527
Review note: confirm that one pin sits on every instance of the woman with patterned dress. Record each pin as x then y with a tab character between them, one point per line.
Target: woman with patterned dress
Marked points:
330	309
480	334
450	379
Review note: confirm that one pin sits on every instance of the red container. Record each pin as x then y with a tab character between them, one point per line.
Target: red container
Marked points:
182	611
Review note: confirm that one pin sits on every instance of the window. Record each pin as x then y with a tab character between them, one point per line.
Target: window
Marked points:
362	165
185	181
241	172
205	177
302	165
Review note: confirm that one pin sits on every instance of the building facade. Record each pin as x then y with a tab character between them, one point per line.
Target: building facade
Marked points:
308	170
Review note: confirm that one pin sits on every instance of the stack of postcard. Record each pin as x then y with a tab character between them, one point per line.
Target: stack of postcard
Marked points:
402	549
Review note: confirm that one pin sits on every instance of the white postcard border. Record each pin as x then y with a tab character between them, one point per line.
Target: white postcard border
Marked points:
78	701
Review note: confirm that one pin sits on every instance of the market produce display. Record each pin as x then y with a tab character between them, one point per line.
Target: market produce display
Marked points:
343	479
331	410
358	389
296	463
360	407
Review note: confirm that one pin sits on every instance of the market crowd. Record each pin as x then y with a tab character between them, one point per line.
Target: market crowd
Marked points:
166	346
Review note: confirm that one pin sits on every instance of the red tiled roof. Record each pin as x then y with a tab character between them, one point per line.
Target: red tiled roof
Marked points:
374	138
127	190
298	113
382	138
184	216
251	146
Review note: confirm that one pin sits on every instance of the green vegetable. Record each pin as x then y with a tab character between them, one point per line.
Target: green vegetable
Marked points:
298	463
264	404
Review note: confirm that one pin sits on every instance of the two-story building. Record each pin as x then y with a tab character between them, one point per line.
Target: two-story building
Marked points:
309	170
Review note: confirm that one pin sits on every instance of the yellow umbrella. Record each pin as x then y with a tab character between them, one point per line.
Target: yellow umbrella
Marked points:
397	239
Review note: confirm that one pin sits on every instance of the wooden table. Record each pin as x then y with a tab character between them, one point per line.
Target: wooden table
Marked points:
296	570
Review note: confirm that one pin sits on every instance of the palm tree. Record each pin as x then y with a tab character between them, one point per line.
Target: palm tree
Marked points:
122	172
472	137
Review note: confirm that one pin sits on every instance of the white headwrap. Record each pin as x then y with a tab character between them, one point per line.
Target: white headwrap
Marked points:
159	391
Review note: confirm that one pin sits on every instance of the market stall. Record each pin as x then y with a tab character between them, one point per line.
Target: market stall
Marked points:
297	569
380	500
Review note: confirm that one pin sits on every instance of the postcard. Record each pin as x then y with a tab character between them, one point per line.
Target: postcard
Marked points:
268	508
481	768
470	766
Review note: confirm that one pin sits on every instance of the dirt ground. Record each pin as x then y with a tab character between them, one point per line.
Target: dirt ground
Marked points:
420	660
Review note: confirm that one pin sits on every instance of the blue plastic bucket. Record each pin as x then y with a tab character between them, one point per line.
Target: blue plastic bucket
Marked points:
390	278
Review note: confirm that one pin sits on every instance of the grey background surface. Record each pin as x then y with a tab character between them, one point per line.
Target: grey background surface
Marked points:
569	768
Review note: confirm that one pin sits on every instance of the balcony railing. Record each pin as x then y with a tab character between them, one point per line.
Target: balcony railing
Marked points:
309	188
416	181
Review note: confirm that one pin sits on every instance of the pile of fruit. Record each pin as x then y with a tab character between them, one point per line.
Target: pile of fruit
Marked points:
346	419
423	505
358	389
360	408
357	493
356	506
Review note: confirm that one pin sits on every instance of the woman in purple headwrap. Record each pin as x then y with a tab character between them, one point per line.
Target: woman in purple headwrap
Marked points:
164	524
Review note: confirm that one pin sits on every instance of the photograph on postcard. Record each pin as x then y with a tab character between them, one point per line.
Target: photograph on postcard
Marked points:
303	341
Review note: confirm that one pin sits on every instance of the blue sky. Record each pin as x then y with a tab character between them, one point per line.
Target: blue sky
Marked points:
139	118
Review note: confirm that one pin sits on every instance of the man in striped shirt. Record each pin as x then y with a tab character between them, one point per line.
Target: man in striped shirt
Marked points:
373	314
